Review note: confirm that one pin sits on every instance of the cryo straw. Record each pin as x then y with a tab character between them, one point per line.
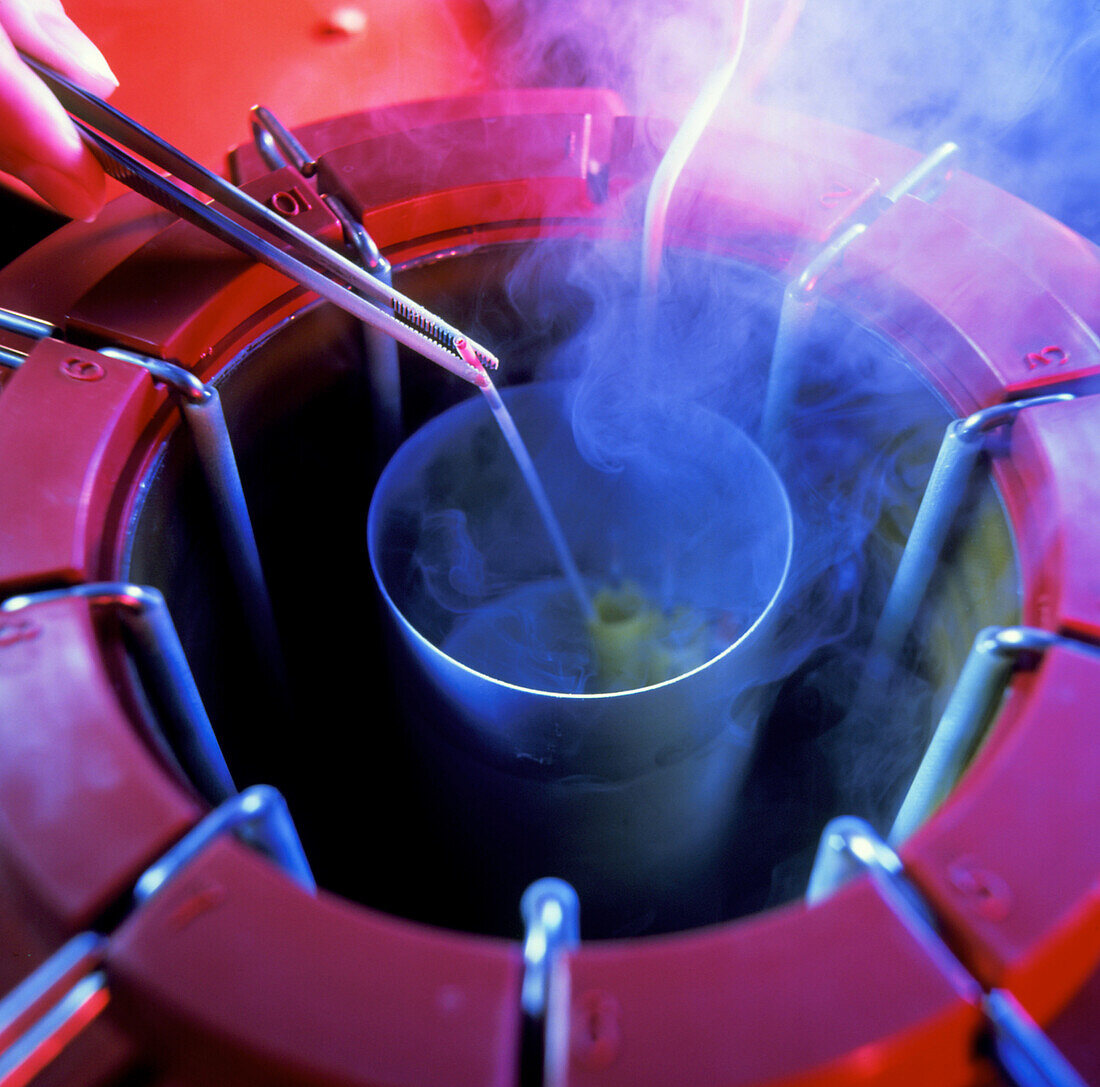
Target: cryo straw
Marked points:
531	477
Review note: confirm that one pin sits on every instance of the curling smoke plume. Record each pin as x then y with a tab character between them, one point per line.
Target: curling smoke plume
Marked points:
1015	82
863	434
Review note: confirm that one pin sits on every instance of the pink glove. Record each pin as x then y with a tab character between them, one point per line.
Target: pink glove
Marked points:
38	143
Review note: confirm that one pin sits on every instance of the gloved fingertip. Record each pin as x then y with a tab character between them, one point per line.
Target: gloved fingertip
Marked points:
80	50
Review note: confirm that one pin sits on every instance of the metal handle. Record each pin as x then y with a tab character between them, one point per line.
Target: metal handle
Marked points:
46	1010
551	916
146	616
1024	1054
88	111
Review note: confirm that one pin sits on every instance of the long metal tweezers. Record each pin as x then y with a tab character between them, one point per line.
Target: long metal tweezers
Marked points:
311	263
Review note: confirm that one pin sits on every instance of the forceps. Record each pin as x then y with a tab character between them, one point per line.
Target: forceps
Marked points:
310	263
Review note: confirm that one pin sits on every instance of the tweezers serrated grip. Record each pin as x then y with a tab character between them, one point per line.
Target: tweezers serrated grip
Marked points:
92	114
132	173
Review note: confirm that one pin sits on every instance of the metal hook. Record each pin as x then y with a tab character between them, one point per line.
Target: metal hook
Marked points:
201	408
974	698
1022	1051
963	442
551	915
800	298
46	1010
276	145
147	618
53	1004
22	325
260	816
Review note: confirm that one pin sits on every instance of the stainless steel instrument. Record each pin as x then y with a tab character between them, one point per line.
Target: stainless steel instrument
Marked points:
309	262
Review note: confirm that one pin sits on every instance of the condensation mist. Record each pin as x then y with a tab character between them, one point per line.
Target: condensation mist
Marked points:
1003	80
1015	82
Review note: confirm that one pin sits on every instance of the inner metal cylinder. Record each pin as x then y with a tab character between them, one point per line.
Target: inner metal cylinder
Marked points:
626	793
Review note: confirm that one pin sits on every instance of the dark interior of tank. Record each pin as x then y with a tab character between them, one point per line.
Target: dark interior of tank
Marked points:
329	733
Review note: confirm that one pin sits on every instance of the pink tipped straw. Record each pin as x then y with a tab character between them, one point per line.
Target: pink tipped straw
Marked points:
480	375
531	477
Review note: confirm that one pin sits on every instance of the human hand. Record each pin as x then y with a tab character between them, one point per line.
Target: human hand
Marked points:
38	142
